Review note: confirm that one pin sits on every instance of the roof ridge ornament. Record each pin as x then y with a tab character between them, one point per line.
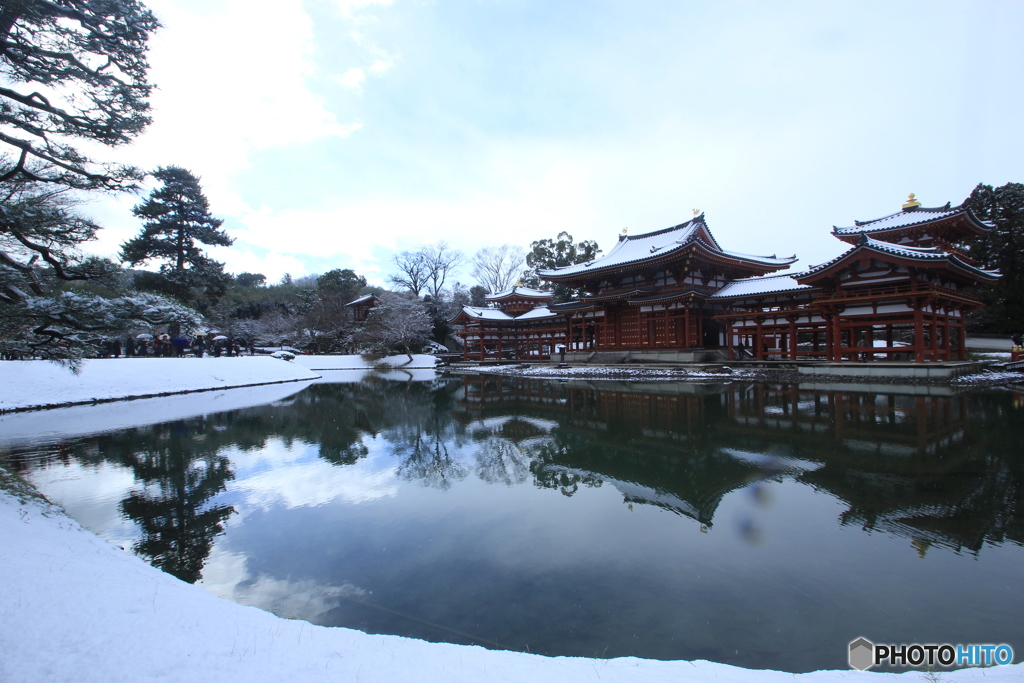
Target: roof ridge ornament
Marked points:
912	203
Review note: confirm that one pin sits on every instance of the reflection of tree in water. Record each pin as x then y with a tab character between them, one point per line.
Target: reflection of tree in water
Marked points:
181	470
501	461
425	458
547	474
178	528
420	429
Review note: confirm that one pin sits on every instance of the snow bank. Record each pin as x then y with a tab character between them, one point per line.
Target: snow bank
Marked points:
40	384
76	608
57	424
400	362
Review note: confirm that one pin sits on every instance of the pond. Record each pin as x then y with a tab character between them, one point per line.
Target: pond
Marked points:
759	525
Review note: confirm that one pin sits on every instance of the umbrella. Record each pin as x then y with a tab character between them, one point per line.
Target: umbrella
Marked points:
144	335
219	337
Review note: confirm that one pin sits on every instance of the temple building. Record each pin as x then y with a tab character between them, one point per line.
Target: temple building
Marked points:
902	290
516	324
649	292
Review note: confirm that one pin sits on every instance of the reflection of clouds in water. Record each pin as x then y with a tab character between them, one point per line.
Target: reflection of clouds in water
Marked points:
226	575
300	478
96	506
316	483
274	453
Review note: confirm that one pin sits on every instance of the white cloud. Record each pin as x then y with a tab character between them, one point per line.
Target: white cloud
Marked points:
232	80
349	7
353	78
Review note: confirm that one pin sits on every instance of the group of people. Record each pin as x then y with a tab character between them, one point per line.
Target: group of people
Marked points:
163	345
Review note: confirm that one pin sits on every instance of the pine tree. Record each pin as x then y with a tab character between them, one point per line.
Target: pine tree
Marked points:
72	70
177	221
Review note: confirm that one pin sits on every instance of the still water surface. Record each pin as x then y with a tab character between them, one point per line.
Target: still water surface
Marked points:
760	525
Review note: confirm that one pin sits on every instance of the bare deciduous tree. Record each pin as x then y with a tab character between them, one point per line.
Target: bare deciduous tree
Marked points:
412	271
399	320
498	268
440	260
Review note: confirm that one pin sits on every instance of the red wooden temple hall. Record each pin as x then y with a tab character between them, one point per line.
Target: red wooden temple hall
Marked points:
650	291
903	290
516	324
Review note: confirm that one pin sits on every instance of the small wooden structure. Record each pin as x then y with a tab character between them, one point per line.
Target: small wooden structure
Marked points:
361	307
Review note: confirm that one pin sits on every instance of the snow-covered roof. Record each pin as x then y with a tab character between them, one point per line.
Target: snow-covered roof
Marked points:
760	285
498	314
486	313
519	290
917	253
911	217
539	312
362	299
637	248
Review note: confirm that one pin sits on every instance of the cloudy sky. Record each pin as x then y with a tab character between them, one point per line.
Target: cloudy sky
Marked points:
331	133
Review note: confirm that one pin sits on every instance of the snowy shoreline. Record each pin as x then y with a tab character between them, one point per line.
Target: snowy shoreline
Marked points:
38	385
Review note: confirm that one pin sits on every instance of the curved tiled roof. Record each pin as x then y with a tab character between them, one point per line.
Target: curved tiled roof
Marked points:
752	286
917	253
638	248
520	291
912	217
477	313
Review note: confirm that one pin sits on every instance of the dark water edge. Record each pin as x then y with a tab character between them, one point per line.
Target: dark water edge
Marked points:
755	524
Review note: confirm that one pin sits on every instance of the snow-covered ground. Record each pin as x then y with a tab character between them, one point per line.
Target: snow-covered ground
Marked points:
57	424
76	608
37	383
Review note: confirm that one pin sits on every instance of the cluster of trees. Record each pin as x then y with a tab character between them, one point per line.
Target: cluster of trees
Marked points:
70	71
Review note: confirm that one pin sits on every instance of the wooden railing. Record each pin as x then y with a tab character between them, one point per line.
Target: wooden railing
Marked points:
857	294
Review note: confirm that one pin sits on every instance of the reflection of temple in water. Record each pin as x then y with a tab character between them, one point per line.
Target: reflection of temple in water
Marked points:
908	464
647	440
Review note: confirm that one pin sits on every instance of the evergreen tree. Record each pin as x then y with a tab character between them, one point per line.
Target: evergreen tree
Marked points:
177	221
53	300
1002	249
71	69
558	253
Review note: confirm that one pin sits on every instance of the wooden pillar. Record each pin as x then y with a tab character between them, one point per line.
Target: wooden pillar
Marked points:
934	341
792	338
759	341
947	343
837	339
918	333
961	334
